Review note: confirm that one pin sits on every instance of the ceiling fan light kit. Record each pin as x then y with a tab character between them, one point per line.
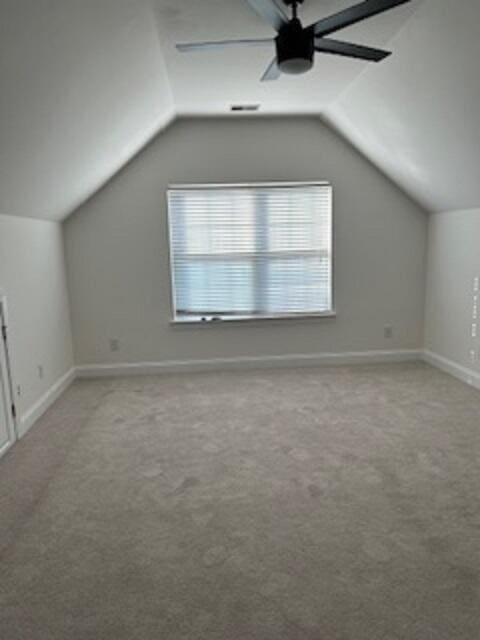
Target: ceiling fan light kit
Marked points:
296	45
295	48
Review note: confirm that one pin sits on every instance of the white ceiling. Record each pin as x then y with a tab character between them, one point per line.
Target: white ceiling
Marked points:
208	83
85	84
418	119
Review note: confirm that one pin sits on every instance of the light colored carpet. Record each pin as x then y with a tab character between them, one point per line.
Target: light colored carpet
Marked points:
316	504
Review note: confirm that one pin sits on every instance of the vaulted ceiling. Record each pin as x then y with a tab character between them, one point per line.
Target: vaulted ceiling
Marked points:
417	117
85	84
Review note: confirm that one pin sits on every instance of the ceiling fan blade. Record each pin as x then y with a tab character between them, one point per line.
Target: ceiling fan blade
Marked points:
222	44
352	15
272	72
270	11
326	45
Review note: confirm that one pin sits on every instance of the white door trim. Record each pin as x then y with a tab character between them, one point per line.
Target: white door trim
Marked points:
5	365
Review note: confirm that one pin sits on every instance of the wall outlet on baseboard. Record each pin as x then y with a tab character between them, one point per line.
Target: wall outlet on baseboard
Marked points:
388	331
114	344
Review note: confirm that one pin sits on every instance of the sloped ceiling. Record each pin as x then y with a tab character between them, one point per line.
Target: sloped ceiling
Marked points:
85	84
418	118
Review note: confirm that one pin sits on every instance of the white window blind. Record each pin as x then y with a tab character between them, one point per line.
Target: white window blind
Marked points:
252	251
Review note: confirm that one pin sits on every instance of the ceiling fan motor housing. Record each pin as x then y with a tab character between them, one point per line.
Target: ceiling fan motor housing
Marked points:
295	48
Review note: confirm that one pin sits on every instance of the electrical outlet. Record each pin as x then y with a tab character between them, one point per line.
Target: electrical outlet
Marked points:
388	331
19	390
114	344
40	371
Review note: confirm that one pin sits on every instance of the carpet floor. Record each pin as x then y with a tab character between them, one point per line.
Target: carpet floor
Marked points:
317	504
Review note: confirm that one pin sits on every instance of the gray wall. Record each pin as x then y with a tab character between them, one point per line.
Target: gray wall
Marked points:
32	276
453	266
117	253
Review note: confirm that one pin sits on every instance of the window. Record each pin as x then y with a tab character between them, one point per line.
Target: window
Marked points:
250	251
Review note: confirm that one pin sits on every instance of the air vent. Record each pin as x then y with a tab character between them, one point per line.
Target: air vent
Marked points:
244	107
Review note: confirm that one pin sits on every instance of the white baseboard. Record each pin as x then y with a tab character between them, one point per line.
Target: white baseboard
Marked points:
248	362
28	419
460	372
6	447
449	366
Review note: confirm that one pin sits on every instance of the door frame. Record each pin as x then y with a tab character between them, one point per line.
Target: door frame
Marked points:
5	364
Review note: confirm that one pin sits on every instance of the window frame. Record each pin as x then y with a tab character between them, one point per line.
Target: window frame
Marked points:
281	317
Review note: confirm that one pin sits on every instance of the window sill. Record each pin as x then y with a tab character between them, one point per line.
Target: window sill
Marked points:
197	322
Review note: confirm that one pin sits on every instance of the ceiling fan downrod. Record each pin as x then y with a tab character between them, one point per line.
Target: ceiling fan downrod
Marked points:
294	4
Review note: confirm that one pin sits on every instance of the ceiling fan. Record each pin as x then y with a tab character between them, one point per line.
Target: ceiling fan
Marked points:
296	45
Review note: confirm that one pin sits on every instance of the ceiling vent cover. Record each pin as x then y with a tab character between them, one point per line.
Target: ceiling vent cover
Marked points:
244	107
